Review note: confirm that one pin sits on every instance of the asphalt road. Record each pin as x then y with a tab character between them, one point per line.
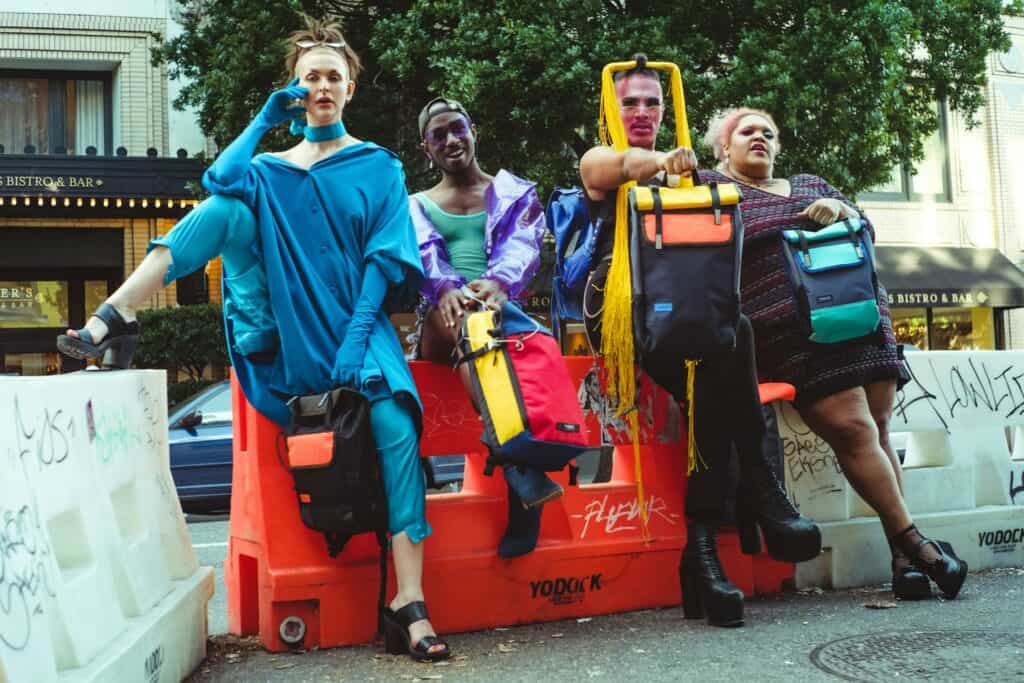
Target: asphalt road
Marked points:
210	540
801	636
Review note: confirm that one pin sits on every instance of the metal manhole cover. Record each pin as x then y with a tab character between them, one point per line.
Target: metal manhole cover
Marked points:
924	655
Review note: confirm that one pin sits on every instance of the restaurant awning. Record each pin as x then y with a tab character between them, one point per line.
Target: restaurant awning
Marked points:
949	277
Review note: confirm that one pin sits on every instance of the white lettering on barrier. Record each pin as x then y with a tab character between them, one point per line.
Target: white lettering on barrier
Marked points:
622	516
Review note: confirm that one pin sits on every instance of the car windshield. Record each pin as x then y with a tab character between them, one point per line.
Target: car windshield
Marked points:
213	399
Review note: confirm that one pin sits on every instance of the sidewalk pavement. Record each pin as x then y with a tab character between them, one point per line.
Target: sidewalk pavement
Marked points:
811	635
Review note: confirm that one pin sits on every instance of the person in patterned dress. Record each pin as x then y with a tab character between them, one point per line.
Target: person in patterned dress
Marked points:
845	391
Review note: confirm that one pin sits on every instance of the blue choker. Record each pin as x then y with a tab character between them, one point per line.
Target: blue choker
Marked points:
331	131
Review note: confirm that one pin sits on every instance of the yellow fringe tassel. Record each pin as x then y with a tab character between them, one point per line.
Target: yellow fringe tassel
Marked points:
638	474
617	319
694	460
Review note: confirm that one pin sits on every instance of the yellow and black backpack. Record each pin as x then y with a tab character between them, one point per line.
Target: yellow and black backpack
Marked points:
527	399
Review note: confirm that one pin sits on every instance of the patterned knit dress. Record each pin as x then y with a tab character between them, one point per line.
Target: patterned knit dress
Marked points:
784	354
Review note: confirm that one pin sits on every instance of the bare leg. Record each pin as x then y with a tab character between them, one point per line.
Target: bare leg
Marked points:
409	575
437	344
144	282
845	421
881	398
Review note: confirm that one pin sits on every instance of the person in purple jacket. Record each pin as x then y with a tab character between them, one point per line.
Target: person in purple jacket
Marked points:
480	238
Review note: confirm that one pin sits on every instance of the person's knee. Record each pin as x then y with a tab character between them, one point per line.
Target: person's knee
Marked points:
849	432
234	214
882	427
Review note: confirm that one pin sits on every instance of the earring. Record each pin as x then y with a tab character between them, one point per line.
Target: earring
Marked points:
430	164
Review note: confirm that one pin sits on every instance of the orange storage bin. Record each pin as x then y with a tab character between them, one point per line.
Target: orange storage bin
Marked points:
591	557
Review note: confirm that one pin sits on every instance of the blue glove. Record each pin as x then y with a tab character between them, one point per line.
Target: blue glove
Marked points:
279	107
348	363
233	162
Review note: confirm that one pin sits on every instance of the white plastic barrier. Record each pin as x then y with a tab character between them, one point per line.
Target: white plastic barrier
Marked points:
962	481
98	579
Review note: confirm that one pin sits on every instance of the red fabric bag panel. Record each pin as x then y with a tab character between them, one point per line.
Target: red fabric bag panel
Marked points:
553	411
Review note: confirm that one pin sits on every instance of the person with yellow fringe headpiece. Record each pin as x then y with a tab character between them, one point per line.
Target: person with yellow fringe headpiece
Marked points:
664	294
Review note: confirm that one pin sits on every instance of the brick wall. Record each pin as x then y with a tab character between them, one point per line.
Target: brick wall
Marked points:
121	45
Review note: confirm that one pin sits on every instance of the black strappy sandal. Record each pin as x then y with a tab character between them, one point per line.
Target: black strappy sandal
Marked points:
117	347
397	640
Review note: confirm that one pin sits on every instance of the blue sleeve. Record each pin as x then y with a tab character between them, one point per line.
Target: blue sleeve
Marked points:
391	242
232	174
371	298
351	356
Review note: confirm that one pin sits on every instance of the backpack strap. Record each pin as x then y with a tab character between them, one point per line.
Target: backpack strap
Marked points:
656	198
854	237
804	247
716	201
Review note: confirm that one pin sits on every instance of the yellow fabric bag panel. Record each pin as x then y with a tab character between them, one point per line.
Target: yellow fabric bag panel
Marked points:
494	377
676	198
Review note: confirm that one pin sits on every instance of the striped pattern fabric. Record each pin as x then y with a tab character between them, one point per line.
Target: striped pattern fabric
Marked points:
783	353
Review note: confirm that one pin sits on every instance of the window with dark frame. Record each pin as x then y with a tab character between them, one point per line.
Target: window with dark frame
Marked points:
928	180
49	112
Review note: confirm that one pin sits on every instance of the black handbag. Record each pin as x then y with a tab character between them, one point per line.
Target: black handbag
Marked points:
332	457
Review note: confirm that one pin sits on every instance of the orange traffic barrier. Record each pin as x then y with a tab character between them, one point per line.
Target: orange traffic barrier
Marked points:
591	557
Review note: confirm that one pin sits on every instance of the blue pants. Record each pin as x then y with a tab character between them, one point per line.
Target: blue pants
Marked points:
398	447
226	227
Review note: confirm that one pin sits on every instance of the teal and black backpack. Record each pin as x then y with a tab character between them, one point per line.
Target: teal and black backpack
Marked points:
833	275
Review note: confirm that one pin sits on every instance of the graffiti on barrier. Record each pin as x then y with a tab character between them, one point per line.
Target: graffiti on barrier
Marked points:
949	389
44	437
24	578
623	516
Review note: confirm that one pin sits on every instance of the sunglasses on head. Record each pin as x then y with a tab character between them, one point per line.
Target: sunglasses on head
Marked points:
438	135
308	44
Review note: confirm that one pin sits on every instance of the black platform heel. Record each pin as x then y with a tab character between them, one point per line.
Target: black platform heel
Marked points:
763	507
947	570
396	634
706	590
117	347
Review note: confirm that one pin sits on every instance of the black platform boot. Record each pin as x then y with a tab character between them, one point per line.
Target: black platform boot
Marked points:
763	507
706	590
942	566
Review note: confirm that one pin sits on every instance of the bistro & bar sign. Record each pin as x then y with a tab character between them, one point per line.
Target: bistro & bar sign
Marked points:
47	182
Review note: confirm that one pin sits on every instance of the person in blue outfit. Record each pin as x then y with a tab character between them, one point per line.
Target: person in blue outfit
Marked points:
479	238
314	240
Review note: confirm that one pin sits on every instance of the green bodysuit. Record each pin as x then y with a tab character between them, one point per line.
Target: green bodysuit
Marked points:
463	235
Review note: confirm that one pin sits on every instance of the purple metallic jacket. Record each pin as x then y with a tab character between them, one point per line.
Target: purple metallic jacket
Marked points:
512	239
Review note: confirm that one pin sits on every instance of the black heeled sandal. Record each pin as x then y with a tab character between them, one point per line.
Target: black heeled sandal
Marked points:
908	581
706	589
947	570
397	640
117	347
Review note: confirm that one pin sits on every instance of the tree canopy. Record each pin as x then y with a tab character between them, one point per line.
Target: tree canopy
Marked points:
852	84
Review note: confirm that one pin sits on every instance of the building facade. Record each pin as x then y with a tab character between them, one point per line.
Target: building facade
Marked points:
94	162
951	233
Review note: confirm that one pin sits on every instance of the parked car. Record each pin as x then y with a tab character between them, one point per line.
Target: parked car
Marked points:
200	445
